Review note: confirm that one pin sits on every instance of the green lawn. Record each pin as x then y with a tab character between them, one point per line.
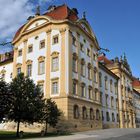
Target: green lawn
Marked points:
9	135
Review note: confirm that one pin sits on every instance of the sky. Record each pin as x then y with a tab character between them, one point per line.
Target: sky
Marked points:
116	23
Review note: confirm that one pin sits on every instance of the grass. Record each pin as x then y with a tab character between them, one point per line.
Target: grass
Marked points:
11	135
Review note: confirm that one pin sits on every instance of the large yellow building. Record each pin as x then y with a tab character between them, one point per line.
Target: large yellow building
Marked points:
58	50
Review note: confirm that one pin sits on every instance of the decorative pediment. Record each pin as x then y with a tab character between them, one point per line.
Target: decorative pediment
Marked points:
18	65
41	58
55	54
36	23
28	62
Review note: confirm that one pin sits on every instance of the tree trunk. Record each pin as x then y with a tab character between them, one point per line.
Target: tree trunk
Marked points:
18	123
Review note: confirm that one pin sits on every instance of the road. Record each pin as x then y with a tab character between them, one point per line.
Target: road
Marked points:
107	134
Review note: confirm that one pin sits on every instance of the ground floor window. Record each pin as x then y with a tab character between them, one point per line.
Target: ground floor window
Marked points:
76	111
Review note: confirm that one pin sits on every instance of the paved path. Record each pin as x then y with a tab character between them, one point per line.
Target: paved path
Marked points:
107	134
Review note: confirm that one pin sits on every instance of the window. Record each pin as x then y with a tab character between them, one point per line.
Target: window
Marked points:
90	92
106	96
41	86
101	97
82	67
107	116
111	90
96	94
83	90
116	103
81	47
116	88
29	70
95	75
41	67
100	79
30	48
102	116
42	44
94	57
88	52
84	112
106	83
76	112
123	104
84	40
55	87
55	64
89	71
55	39
3	76
91	114
20	53
74	41
18	70
97	115
74	63
117	117
112	102
113	117
74	87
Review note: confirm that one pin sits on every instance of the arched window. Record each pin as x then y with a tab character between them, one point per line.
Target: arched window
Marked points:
84	112
76	112
91	114
97	114
113	117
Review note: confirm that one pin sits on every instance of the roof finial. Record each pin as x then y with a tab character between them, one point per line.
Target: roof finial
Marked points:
84	15
37	10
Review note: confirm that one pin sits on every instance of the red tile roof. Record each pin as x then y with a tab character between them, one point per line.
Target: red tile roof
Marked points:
62	12
59	13
136	83
104	59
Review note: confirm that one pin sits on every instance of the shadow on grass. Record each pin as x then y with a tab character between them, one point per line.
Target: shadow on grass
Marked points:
8	135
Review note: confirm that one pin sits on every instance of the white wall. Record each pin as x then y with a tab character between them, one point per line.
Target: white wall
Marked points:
110	94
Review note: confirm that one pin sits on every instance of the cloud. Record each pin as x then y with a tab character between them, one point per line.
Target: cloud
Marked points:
14	13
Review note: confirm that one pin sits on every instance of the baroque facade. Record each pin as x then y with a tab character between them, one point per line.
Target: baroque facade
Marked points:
59	51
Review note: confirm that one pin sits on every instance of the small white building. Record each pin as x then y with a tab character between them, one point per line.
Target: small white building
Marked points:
6	66
108	83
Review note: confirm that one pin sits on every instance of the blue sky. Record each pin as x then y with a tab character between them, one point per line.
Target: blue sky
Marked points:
116	24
